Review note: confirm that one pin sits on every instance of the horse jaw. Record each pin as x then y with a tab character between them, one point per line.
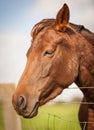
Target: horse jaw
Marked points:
50	94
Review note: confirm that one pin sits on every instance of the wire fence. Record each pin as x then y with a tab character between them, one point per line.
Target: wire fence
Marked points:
55	116
64	119
58	121
52	117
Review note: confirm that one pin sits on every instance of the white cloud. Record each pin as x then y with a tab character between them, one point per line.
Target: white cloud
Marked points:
81	11
12	56
44	8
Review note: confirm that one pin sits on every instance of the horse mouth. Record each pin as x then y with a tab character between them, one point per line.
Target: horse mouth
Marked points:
33	112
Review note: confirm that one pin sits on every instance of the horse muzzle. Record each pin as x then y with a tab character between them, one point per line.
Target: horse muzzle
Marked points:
24	108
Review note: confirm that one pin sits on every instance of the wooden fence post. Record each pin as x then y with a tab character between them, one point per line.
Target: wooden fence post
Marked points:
11	119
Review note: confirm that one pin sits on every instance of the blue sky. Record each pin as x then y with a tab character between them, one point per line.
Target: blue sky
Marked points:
15	14
12	14
17	17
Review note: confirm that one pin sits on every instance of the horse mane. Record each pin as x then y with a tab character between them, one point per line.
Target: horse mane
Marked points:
87	34
78	28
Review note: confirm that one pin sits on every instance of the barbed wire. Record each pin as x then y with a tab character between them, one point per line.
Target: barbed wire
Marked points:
90	87
61	118
62	121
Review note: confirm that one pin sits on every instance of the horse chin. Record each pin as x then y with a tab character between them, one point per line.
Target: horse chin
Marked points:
33	113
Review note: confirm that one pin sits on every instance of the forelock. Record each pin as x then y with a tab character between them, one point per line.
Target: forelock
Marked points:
40	26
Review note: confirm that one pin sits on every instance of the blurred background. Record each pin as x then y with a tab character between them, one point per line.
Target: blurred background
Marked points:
17	17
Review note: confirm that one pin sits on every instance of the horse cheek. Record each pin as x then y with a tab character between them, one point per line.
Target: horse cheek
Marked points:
45	70
65	72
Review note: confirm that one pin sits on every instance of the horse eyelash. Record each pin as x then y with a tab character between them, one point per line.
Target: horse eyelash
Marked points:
48	52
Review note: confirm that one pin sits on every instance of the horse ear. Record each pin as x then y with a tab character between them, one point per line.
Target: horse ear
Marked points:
62	18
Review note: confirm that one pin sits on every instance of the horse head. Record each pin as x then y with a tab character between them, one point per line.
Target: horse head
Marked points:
52	64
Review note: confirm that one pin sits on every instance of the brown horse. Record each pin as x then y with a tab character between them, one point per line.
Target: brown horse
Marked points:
61	53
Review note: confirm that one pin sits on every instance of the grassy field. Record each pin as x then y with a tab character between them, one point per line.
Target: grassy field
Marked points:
51	117
54	117
1	119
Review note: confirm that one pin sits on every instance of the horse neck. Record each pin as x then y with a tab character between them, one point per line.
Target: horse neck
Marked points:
85	78
88	35
86	62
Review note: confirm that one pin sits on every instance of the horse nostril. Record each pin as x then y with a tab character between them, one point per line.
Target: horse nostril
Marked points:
21	102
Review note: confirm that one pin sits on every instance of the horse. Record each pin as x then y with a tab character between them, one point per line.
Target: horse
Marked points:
60	53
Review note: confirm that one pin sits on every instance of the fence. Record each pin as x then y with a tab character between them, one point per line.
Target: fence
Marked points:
10	118
55	116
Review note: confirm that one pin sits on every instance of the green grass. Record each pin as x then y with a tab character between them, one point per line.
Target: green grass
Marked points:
54	117
1	119
57	116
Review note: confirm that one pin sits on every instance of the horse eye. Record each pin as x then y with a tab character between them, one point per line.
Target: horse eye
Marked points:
48	53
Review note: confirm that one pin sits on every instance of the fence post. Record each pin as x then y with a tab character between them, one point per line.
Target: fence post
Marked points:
11	119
